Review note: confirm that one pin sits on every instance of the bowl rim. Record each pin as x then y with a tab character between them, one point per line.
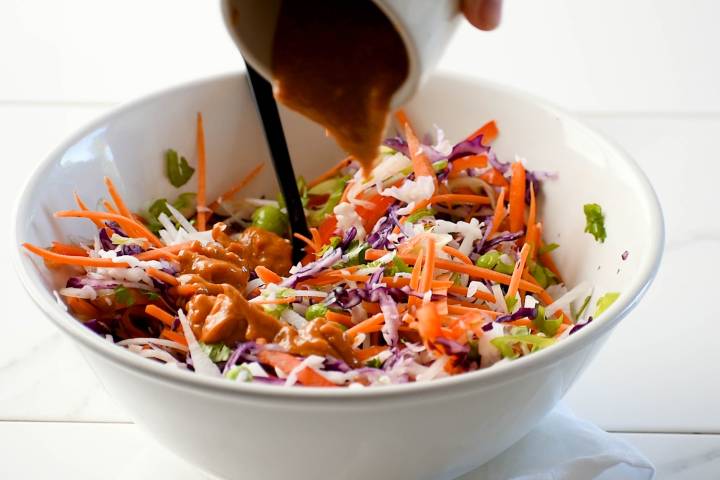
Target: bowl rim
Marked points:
480	379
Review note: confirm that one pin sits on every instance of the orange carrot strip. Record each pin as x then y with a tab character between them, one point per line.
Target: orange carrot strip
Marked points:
286	362
330	173
201	170
267	275
415	280
429	267
561	329
462	164
82	307
488	297
531	231
131	226
311	245
517	197
455	307
160	314
369	352
339	318
420	162
273	301
401	118
489	132
64	249
429	322
315	234
163	276
109	206
81	206
232	191
371	324
186	290
521	322
163	252
174	336
457	254
472	270
117	199
73	259
518	271
547	260
499	214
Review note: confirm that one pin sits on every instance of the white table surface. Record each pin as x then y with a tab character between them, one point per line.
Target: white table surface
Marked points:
654	384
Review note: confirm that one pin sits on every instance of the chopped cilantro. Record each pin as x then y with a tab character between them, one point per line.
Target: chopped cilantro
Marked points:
124	296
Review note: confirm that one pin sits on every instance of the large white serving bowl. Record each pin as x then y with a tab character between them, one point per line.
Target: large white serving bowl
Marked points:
434	430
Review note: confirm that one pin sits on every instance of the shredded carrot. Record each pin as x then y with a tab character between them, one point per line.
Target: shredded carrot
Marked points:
457	254
81	206
372	324
160	314
163	252
73	259
64	249
517	197
369	352
547	260
315	234
413	301
287	363
521	322
420	162
401	118
458	307
174	336
109	206
339	318
518	271
489	132
186	290
267	275
335	170
311	245
202	174
273	301
472	270
463	163
82	307
117	199
232	191
429	322
163	276
429	267
561	329
131	226
481	294
531	231
499	214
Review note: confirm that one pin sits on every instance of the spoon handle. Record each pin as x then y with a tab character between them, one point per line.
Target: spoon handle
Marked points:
280	156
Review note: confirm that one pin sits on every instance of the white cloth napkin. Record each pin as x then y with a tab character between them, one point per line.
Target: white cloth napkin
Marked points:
564	447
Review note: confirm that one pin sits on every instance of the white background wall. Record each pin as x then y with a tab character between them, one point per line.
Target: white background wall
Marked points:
599	56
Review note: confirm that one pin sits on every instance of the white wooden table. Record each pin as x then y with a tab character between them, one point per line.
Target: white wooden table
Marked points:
642	73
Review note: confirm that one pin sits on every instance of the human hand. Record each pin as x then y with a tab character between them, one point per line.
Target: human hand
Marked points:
484	14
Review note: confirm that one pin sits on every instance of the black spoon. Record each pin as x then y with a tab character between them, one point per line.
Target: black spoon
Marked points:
280	156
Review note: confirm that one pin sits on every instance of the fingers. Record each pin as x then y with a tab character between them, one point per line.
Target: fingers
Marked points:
484	14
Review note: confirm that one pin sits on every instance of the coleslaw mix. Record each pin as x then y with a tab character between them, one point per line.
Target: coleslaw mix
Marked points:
431	264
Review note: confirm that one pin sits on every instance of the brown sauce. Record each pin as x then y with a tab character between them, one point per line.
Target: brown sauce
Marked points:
339	63
218	312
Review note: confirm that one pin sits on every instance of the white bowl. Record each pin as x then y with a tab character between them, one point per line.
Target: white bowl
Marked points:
433	430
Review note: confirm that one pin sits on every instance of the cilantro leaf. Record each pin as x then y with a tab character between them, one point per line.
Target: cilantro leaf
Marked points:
177	168
595	221
124	296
